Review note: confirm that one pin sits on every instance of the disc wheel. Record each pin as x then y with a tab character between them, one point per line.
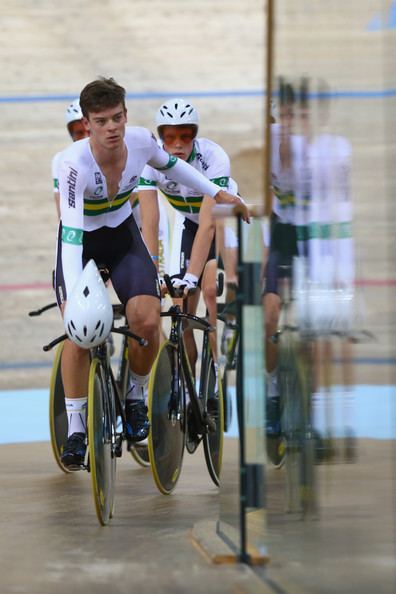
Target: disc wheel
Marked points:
214	407
101	432
57	410
167	435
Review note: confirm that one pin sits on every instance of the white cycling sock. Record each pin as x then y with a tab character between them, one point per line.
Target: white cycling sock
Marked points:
137	386
76	409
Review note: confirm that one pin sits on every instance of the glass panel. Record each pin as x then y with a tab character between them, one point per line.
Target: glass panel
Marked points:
334	89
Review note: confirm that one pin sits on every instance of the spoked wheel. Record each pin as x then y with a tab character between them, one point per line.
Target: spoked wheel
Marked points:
167	430
57	410
214	406
101	434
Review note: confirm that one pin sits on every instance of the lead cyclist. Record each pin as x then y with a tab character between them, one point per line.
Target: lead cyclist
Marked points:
96	178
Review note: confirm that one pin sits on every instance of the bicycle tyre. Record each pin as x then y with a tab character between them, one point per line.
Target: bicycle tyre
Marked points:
214	405
57	411
299	458
101	430
167	436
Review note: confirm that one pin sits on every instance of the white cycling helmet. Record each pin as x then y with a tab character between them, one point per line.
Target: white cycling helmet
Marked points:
88	313
177	112
73	112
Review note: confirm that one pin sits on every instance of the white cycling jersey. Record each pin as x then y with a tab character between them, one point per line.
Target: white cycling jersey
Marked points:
84	201
208	158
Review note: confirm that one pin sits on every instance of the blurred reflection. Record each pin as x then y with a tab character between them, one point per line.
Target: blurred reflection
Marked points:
309	291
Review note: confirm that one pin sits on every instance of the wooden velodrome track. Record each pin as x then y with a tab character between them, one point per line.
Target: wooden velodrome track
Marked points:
49	539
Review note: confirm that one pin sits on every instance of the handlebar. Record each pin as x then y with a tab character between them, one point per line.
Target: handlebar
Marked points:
38	312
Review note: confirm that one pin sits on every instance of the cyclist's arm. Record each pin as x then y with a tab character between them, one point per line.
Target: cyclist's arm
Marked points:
149	214
71	190
203	238
55	181
183	173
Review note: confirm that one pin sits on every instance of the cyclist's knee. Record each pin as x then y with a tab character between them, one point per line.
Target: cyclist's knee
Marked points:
145	323
209	294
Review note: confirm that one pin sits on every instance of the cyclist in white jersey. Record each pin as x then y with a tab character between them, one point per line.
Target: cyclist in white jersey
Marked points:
97	176
77	130
193	253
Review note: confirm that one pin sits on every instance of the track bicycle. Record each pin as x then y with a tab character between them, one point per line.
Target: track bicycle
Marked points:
175	423
105	416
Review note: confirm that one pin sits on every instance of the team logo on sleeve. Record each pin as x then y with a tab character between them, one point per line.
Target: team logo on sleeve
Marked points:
71	182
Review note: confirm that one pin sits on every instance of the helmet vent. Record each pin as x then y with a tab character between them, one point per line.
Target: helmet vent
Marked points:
97	325
183	113
72	325
85	330
86	292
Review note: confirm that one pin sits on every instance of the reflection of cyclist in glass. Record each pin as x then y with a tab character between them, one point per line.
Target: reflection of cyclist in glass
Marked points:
282	246
96	178
193	255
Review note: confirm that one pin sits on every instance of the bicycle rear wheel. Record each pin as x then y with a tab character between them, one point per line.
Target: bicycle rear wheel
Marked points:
167	432
299	460
101	435
212	394
57	410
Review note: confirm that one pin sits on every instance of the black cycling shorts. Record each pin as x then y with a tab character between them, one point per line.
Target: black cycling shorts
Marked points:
283	247
185	248
123	252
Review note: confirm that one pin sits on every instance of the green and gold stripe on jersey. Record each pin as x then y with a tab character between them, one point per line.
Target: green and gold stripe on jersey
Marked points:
192	204
314	230
102	206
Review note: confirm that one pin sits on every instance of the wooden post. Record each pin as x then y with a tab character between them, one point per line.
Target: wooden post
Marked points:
267	109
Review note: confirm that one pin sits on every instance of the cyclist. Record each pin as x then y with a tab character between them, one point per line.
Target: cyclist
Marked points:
77	130
96	178
193	254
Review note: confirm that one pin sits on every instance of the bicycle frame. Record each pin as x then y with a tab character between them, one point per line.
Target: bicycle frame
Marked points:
182	369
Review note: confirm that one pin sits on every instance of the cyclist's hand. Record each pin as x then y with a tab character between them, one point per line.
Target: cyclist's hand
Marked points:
185	285
223	197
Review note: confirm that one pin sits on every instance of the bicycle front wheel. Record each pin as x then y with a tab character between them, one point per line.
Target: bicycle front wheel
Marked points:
212	394
57	410
167	426
101	436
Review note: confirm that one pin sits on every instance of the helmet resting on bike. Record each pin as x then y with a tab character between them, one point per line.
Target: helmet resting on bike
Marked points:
177	112
73	112
88	313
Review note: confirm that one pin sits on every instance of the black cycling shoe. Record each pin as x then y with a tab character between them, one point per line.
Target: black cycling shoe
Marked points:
137	423
73	454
